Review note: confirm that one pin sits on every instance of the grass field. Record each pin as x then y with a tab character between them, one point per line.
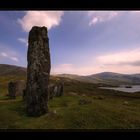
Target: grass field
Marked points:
107	109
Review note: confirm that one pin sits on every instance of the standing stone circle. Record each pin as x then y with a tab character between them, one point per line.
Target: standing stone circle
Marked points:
38	72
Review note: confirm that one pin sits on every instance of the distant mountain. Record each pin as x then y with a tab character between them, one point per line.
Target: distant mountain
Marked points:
117	78
107	78
136	75
104	77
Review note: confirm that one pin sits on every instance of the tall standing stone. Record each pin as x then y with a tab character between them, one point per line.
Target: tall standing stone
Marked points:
38	72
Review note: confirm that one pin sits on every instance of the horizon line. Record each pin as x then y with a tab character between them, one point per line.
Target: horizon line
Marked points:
75	73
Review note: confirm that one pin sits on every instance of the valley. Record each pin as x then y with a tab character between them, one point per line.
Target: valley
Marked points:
100	108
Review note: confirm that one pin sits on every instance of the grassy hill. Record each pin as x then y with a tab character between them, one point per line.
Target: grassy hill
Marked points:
107	109
9	70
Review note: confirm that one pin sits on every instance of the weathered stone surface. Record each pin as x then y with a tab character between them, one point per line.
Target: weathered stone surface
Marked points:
51	91
59	89
12	90
16	88
38	72
55	90
24	95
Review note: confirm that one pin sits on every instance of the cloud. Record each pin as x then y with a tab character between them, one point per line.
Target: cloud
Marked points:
14	58
92	69
73	69
6	55
23	40
135	63
135	12
126	69
101	16
40	18
11	55
131	57
63	68
104	16
126	62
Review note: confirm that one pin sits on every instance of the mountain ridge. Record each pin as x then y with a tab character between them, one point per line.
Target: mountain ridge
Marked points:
103	77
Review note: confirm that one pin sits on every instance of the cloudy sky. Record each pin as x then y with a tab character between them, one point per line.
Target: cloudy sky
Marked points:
81	42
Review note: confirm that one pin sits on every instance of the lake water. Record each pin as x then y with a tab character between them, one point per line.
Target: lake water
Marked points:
135	88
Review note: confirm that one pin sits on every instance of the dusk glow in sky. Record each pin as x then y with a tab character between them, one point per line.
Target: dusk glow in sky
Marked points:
81	42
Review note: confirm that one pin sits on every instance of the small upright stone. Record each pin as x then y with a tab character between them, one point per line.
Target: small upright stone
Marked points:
60	89
38	72
15	88
55	90
12	90
51	91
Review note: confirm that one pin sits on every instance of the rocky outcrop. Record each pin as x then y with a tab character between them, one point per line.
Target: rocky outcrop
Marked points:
15	88
38	72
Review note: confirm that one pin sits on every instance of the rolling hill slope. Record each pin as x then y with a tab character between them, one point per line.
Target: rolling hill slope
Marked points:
104	77
11	70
